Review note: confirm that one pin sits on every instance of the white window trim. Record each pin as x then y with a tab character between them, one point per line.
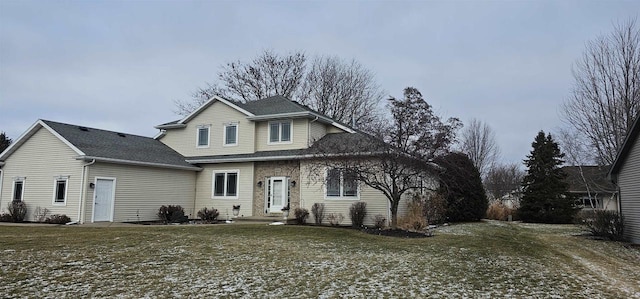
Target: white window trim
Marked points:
208	127
269	142
13	189
341	196
224	134
55	191
213	184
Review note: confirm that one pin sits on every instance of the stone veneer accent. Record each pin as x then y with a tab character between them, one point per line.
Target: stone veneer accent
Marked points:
263	171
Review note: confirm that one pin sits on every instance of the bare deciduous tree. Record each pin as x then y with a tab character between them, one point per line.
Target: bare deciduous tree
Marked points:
606	95
266	75
502	179
343	90
478	141
396	164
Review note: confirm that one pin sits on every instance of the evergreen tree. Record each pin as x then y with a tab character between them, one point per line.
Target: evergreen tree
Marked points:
545	198
5	141
461	186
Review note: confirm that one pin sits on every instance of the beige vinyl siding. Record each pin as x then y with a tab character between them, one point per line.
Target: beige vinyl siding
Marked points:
312	191
204	193
140	191
299	137
217	115
41	159
629	183
317	130
332	129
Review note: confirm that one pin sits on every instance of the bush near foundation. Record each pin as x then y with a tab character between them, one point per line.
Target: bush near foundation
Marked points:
335	219
208	215
17	210
301	215
606	224
357	213
172	214
318	212
58	219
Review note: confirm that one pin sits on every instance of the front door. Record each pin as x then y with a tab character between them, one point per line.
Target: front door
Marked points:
277	194
103	200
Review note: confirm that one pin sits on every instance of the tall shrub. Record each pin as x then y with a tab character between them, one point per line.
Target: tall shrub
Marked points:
17	210
318	212
358	212
461	186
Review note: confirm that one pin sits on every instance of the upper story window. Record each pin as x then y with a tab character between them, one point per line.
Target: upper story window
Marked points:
231	134
225	183
18	189
341	183
280	131
60	190
203	136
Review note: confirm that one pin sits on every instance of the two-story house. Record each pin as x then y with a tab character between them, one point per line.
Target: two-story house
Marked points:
222	155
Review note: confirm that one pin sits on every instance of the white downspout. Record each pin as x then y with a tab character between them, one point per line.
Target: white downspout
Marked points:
83	191
1	180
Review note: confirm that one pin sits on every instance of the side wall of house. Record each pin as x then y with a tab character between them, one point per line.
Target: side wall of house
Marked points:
40	161
299	136
317	130
312	190
183	140
629	183
204	192
140	191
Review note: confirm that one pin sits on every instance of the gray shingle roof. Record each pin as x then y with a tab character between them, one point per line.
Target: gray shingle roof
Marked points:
113	145
346	143
337	143
257	156
595	176
273	105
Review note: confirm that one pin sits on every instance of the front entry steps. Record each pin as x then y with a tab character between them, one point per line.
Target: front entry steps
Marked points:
263	219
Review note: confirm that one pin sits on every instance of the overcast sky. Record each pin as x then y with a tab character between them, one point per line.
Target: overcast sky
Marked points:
119	65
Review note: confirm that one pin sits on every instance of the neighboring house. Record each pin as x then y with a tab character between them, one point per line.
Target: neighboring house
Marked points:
625	173
590	186
512	199
256	155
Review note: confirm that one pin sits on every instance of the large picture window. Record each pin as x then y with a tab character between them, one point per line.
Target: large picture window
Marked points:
225	184
60	190
341	183
280	132
203	136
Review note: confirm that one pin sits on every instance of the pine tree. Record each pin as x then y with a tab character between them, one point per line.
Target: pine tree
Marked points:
461	186
545	198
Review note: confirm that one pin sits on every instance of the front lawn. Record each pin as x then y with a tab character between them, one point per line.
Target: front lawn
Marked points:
478	260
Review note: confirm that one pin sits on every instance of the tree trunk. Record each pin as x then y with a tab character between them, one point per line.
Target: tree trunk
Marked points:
394	212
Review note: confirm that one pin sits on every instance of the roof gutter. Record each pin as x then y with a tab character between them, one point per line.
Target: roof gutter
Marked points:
137	163
281	115
246	159
170	126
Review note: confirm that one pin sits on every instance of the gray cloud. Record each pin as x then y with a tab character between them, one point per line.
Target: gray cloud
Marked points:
119	65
